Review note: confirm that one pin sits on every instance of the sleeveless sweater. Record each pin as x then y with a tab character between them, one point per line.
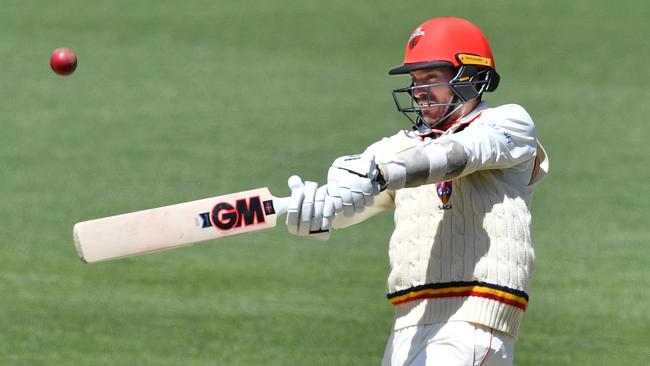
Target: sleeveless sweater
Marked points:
463	249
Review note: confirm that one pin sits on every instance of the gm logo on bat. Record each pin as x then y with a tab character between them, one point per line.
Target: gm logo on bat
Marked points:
244	212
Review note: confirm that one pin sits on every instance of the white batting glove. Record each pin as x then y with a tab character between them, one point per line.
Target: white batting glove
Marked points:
305	215
352	183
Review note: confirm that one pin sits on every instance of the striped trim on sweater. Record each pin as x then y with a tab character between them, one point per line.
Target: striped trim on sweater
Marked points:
506	295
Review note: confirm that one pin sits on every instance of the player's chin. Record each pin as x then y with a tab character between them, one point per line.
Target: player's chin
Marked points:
431	119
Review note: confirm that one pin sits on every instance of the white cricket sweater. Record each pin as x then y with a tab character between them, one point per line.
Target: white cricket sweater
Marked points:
463	249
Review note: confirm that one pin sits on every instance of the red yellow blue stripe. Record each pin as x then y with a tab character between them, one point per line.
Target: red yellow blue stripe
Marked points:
503	294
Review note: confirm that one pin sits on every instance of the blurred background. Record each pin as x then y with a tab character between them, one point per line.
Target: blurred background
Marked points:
175	101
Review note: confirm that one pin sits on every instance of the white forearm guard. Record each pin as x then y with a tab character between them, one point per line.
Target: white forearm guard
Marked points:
434	162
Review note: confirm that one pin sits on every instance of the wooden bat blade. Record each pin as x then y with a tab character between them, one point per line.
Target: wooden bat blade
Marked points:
176	225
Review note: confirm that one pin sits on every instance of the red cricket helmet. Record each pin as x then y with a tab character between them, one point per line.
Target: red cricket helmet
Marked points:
447	42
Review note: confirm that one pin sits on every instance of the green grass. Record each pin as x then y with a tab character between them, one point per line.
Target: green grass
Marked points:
174	101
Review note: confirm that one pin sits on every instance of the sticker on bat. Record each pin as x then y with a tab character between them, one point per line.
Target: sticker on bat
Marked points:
244	212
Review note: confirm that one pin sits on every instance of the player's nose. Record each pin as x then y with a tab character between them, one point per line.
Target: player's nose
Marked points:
421	95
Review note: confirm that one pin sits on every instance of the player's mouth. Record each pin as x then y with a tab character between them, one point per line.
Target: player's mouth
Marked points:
429	114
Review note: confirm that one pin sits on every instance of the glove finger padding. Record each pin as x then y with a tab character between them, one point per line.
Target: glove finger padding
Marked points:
319	204
367	191
358	202
328	213
333	189
348	204
312	225
295	207
307	211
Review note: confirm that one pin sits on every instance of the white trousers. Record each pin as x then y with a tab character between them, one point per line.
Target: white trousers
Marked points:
455	343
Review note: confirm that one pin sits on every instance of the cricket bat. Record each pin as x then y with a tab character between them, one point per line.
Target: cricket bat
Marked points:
178	225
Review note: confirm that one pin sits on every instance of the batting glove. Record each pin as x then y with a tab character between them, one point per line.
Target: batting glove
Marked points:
352	183
305	215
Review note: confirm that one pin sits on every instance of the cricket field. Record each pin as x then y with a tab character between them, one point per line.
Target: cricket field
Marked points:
174	101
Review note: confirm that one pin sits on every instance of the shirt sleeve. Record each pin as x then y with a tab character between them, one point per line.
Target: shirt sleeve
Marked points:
502	138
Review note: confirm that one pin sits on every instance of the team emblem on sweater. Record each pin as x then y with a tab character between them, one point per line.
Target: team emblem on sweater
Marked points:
444	191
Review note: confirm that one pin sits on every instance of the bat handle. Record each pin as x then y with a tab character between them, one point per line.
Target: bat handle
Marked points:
281	205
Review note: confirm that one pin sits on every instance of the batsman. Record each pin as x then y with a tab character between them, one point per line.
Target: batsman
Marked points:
460	181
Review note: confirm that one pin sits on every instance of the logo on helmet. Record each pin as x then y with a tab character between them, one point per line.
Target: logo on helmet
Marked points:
415	38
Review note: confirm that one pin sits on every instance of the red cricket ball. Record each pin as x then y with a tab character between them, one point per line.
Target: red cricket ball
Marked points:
63	61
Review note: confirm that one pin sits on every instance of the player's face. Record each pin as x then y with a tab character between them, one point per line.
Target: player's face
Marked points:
430	94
